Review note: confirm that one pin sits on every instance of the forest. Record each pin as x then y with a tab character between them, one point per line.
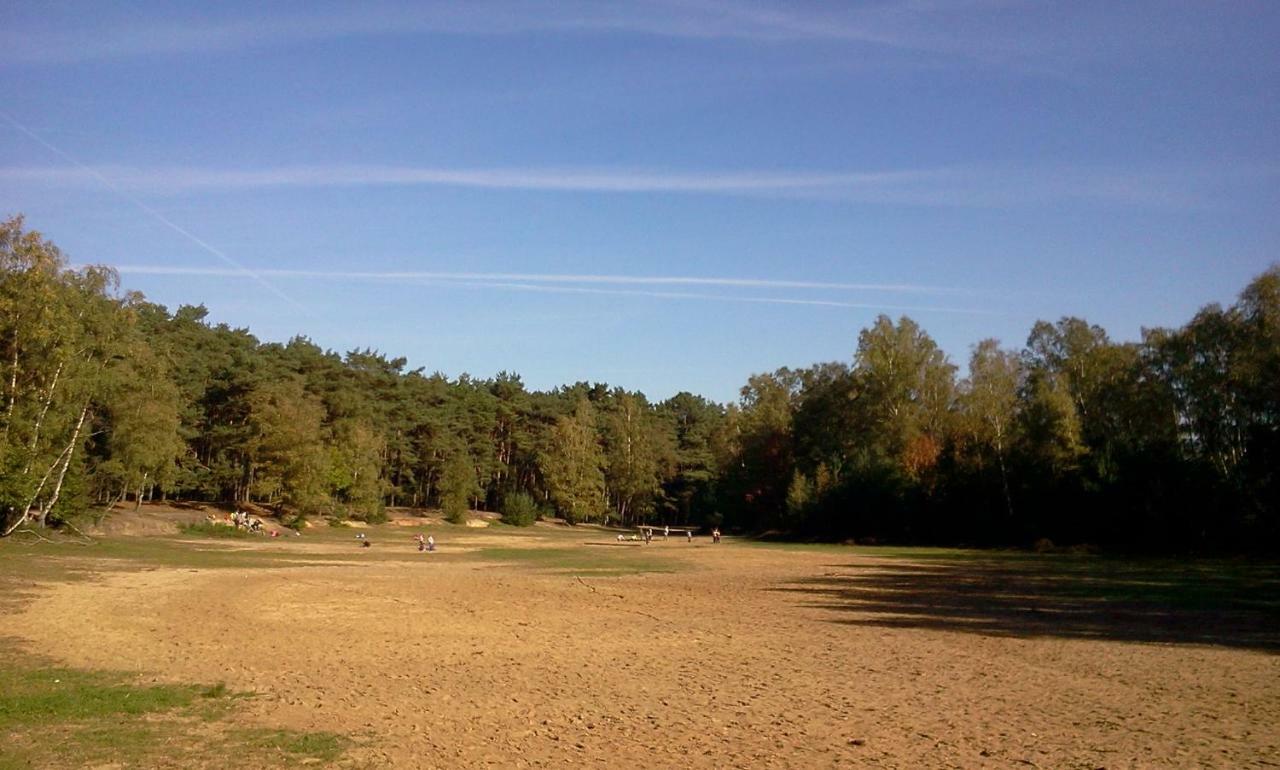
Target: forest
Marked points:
1168	444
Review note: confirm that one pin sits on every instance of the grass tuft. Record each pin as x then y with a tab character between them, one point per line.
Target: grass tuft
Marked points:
325	747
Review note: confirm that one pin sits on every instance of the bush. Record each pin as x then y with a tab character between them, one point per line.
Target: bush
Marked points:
212	529
376	516
519	510
455	513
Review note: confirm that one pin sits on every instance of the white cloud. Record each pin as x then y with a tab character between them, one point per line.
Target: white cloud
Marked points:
98	178
120	38
172	180
979	30
532	278
964	186
725	298
561	283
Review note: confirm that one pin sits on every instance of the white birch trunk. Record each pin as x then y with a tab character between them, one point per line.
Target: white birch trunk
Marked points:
66	463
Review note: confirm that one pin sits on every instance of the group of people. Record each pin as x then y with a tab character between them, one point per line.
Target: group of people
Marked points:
242	520
427	543
646	533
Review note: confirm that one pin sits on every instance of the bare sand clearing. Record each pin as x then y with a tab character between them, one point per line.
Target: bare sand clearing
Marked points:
734	662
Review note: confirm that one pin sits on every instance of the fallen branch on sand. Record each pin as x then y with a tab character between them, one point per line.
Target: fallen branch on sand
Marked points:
33	533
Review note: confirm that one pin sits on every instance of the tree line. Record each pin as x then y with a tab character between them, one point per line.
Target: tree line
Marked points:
1168	443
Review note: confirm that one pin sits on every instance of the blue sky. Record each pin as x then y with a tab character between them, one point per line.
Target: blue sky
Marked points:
665	196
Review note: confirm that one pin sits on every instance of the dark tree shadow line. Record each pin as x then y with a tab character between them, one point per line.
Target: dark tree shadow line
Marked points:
1225	604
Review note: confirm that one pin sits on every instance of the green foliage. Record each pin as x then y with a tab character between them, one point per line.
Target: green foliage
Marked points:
457	487
573	465
212	529
639	453
519	510
287	459
355	469
1075	437
701	449
763	455
63	342
800	494
905	389
375	516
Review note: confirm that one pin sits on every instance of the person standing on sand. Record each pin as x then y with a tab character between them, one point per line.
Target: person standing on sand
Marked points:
422	543
688	535
431	543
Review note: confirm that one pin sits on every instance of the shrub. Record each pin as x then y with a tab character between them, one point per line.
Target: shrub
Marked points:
377	515
519	510
455	512
212	529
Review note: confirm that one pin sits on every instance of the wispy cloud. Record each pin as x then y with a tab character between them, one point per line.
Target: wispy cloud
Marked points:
543	278
179	179
1182	186
98	177
561	283
980	30
889	24
698	296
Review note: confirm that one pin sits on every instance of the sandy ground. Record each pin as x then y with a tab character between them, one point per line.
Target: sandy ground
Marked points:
730	663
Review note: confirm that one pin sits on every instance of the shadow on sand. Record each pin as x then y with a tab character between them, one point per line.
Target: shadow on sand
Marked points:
1220	603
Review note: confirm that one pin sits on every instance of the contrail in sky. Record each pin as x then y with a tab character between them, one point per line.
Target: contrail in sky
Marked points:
153	213
639	280
1176	186
712	297
173	180
545	282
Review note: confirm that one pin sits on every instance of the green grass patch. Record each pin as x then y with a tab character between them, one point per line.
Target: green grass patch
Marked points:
34	696
58	717
325	747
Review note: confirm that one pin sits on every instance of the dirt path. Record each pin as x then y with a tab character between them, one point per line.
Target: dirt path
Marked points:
439	664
